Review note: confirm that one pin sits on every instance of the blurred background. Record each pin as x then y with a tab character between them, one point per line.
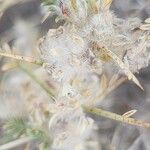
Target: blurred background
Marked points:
21	26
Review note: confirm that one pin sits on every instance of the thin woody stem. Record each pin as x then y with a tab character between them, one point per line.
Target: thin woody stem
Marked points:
114	116
22	58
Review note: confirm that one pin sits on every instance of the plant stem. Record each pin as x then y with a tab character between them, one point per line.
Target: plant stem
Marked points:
22	58
38	81
114	116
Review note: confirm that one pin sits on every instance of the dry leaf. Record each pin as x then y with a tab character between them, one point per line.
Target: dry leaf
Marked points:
97	51
126	70
129	113
104	82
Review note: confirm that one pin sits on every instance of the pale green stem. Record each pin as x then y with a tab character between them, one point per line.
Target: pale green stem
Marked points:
114	116
38	81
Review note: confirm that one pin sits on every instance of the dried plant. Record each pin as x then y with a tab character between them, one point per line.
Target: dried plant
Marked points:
81	63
